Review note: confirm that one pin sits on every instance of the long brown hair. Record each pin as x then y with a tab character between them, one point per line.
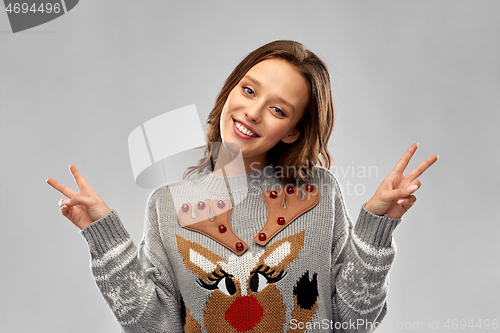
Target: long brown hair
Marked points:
316	126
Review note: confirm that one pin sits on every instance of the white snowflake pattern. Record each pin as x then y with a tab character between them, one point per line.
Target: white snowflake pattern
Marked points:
347	270
364	295
119	302
138	282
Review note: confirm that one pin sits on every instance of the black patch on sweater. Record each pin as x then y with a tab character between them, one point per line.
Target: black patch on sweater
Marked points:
306	291
183	312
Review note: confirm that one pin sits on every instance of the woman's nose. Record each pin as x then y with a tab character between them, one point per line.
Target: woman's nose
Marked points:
254	113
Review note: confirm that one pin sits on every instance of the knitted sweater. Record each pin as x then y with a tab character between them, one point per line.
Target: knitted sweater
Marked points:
243	254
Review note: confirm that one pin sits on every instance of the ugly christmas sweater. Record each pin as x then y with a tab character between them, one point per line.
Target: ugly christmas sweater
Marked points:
245	254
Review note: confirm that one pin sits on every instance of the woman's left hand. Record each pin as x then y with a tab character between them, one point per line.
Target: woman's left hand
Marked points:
395	195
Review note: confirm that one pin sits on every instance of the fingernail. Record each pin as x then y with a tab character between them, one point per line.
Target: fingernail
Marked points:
400	201
64	207
411	189
65	202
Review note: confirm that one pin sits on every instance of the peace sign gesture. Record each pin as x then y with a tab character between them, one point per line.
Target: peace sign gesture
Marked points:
83	207
395	195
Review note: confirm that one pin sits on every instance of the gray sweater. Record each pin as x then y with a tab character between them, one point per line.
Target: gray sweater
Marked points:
245	254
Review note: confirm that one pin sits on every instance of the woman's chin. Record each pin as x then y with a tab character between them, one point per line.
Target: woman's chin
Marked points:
232	147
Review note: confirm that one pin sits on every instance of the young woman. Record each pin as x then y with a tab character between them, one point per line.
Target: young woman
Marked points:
264	245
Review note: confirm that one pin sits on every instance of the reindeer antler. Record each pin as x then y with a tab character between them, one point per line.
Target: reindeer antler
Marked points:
279	217
219	229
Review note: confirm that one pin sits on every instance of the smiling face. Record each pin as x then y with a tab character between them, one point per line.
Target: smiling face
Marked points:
264	108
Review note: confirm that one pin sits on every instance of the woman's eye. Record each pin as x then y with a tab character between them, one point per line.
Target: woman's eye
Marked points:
278	110
248	91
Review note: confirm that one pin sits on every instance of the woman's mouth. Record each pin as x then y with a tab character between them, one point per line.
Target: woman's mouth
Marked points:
242	130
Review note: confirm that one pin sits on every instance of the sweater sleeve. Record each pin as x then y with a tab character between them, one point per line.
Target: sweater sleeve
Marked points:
361	272
136	283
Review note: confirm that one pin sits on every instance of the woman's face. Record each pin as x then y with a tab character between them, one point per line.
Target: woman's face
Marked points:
264	108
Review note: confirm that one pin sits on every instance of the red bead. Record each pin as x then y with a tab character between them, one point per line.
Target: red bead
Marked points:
239	246
262	236
222	228
290	190
309	188
185	207
281	220
201	205
221	204
273	194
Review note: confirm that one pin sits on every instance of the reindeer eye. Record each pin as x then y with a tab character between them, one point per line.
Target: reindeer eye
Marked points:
227	286
258	282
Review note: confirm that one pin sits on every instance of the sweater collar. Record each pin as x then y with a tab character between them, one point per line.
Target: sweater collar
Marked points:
257	180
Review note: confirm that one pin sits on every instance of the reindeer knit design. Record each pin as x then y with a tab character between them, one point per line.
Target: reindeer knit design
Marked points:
314	272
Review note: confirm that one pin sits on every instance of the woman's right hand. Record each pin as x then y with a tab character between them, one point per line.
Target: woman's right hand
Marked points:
82	207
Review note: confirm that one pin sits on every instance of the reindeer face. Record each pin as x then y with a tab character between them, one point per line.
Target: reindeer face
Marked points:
243	296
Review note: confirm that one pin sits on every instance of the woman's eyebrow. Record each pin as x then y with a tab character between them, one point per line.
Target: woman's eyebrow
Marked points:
252	79
280	99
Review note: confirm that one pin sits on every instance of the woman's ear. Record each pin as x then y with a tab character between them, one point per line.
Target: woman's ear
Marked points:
292	136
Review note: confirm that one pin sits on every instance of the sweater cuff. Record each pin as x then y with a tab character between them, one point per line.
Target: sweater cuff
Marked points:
105	233
374	229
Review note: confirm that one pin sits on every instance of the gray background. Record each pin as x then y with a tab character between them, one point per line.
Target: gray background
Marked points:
403	71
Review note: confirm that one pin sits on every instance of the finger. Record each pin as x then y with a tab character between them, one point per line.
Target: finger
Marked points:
79	200
422	167
416	182
403	162
400	193
65	210
80	181
407	202
60	187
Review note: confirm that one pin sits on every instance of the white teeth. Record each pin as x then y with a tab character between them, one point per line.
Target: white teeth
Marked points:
243	129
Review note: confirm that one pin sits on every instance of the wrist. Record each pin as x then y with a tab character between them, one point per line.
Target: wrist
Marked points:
374	229
100	213
370	207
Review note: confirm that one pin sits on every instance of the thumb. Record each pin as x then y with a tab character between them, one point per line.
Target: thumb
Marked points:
403	192
78	200
65	211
